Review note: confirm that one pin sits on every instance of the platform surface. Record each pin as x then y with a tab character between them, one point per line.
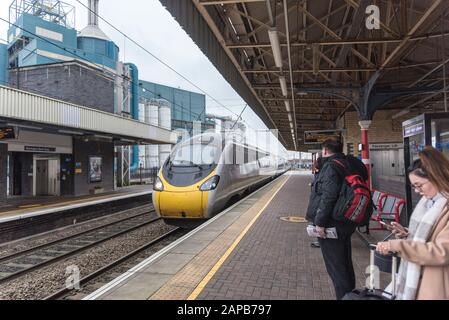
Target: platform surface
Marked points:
20	207
246	253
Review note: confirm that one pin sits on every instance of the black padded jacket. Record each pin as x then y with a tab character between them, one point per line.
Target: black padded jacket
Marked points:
326	189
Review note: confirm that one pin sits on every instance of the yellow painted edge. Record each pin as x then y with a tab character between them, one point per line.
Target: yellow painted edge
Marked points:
54	205
219	263
30	206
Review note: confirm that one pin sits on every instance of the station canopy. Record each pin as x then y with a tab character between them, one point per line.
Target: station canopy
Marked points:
301	64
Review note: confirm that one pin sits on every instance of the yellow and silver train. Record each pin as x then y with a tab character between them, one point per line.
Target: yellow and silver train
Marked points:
204	173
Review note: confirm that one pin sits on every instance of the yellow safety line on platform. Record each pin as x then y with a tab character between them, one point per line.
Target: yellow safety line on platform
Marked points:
228	252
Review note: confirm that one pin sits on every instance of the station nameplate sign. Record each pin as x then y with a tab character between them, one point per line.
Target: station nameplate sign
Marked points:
39	149
314	137
386	146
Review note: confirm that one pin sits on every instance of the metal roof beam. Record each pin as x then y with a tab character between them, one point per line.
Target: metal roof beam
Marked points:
352	32
313	71
210	3
403	44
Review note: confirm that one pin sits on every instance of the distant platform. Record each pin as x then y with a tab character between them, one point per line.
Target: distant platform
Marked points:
17	208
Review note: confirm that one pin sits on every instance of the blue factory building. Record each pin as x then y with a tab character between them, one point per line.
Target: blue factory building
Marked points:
186	106
46	55
3	64
54	39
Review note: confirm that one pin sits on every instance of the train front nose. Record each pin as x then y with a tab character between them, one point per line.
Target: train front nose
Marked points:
184	204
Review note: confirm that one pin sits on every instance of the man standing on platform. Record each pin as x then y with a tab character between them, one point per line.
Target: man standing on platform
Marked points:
326	188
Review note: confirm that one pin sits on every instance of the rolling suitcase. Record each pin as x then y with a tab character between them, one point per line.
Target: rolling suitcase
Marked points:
371	293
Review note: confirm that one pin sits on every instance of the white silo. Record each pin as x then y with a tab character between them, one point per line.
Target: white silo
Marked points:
153	119
142	149
164	122
153	112
165	114
147	112
142	112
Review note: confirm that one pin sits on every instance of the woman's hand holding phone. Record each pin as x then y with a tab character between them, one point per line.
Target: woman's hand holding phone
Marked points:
399	231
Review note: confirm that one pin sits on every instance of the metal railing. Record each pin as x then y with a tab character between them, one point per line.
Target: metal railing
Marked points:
144	175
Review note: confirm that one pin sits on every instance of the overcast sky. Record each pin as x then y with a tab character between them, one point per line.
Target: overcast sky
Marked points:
150	24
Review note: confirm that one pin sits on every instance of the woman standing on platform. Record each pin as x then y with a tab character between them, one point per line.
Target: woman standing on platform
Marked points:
424	246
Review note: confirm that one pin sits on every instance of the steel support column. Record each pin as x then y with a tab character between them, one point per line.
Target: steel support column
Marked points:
364	125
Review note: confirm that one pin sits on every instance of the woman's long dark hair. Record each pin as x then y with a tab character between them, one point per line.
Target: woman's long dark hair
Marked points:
433	165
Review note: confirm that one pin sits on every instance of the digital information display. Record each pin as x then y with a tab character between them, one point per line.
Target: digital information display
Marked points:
7	133
318	137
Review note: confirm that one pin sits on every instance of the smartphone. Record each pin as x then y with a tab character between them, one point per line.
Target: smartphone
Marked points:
385	223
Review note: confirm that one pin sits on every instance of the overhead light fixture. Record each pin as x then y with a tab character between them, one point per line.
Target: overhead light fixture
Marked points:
23	126
287	105
276	46
289	117
283	83
103	137
71	132
302	93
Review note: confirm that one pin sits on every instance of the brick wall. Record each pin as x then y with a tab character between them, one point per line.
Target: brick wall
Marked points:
82	151
383	128
71	82
3	168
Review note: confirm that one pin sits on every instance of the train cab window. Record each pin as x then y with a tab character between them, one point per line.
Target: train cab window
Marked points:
195	155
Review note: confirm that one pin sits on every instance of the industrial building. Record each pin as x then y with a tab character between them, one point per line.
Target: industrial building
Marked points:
3	63
69	112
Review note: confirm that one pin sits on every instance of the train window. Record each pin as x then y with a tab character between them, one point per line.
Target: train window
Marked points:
246	155
196	154
251	155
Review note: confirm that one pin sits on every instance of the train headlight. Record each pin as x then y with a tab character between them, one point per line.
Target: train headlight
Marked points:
210	184
158	185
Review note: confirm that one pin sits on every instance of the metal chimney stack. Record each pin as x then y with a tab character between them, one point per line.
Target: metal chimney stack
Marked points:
93	13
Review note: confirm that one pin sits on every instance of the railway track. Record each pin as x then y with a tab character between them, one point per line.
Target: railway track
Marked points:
52	235
20	263
65	292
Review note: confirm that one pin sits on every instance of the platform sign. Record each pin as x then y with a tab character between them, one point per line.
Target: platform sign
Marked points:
413	130
314	137
7	133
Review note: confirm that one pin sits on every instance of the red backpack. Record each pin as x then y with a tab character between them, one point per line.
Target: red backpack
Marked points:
354	203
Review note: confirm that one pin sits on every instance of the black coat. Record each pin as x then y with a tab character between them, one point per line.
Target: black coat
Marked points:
326	189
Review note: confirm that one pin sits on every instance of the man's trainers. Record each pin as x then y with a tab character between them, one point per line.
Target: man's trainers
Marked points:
315	244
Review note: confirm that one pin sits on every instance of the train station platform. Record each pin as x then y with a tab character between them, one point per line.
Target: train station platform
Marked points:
247	252
17	208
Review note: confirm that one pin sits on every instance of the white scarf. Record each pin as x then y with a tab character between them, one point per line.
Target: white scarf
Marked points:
421	225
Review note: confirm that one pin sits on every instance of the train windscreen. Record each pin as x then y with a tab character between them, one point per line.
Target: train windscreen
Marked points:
195	155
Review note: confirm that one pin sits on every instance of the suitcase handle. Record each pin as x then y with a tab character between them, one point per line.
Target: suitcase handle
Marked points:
394	265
